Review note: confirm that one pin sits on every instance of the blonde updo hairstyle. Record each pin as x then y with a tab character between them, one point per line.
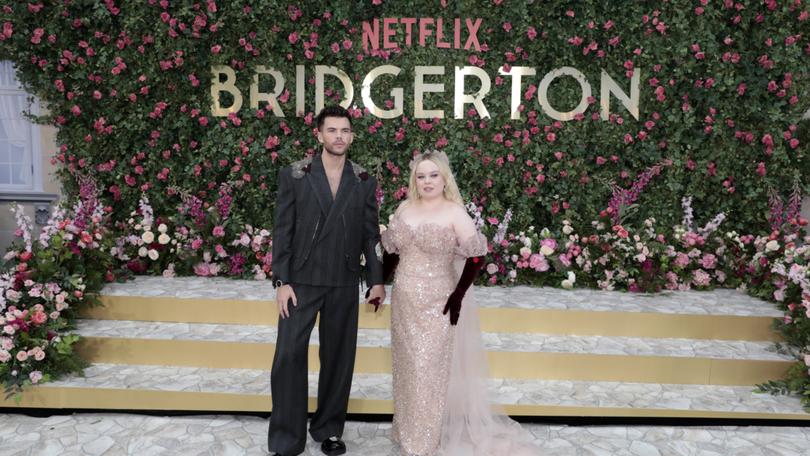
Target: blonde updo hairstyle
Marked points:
441	161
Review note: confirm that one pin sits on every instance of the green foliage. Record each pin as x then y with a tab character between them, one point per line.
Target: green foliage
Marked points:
168	56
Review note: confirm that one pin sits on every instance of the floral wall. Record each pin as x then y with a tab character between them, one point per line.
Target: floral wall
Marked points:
722	88
689	173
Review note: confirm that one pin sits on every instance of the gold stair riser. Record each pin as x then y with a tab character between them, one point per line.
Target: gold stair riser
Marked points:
510	320
116	399
514	365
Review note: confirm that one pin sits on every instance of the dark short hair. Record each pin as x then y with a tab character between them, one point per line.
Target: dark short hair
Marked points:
332	111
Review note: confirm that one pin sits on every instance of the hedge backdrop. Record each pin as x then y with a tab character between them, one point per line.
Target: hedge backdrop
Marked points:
723	86
157	183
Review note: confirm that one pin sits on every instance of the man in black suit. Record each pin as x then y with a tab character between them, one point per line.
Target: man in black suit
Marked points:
326	217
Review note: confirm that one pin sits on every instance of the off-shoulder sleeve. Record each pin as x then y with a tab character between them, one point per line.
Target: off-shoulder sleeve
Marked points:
475	245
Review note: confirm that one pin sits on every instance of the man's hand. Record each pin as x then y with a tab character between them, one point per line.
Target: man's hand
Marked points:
284	296
376	296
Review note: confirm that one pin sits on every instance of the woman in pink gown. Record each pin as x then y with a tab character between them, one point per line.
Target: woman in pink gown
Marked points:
439	366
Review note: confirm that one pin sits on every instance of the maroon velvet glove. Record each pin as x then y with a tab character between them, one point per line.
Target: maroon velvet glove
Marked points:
471	268
390	262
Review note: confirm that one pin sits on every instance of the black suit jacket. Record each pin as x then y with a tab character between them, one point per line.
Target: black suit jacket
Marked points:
318	241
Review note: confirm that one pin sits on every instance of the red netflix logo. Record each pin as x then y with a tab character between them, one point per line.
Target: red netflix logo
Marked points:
425	27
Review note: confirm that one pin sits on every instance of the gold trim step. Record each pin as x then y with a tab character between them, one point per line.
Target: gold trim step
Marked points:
515	365
121	399
546	321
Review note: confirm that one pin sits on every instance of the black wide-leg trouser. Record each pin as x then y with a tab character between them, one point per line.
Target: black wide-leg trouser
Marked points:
338	307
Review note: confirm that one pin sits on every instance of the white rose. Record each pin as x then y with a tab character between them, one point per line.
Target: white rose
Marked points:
772	246
153	254
525	252
142	252
546	250
512	274
164	239
148	236
492	268
567	284
162	228
567	229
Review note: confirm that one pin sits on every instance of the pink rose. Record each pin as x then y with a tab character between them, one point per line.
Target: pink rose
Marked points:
35	377
39	317
219	231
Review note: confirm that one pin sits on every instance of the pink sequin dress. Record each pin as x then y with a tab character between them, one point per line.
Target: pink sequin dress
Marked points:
421	336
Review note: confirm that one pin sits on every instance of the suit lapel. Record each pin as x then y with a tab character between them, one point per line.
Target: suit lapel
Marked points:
344	194
320	185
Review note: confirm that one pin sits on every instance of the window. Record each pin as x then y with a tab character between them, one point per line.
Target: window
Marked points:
20	154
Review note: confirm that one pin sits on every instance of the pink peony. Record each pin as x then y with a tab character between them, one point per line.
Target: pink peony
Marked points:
206	269
709	261
538	263
681	260
700	278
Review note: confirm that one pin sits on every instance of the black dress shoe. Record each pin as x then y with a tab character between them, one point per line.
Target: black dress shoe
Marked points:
333	447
